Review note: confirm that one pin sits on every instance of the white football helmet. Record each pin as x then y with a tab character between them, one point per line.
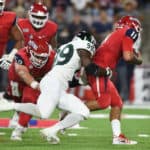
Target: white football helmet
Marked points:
86	36
2	6
38	15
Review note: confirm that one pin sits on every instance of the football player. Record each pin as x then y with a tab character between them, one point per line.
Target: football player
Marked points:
30	64
122	42
36	25
70	57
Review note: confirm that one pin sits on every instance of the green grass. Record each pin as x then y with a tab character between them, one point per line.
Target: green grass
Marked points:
98	136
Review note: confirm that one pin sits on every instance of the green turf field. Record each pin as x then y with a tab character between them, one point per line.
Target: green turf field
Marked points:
97	137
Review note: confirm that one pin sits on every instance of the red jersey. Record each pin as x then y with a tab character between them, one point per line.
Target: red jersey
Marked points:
22	57
47	32
110	51
7	20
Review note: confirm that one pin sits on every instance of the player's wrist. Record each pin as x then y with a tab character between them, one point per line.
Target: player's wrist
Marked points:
34	84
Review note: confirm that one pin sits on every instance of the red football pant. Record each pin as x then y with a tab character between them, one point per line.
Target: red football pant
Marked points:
105	92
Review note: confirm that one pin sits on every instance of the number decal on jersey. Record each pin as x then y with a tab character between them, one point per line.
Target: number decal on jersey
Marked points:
64	55
15	88
90	46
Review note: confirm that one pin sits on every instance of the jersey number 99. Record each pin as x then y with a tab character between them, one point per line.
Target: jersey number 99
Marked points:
64	55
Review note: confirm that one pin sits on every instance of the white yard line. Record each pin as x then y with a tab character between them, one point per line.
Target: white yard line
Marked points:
144	135
2	133
124	116
137	106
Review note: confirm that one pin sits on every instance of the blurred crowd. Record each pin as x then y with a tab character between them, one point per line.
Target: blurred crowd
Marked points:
97	16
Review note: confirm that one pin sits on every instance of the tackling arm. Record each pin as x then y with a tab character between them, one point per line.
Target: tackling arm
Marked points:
90	67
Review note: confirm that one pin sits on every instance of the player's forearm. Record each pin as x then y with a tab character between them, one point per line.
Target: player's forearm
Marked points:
95	70
25	75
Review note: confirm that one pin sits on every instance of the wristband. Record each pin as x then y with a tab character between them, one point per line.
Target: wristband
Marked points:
34	84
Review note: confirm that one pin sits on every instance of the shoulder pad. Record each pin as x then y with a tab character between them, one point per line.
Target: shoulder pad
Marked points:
18	59
132	34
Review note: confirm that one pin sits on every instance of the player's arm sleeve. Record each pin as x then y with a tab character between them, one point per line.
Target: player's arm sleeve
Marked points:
130	37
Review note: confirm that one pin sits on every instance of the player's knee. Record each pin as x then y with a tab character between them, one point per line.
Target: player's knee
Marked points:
104	101
104	105
118	104
44	115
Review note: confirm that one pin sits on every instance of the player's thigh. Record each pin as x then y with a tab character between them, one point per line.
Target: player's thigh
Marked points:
14	90
49	97
101	89
73	104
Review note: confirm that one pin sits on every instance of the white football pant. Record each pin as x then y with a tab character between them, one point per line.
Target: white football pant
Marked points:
53	94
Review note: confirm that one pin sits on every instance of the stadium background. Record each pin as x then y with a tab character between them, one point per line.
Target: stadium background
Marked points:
97	16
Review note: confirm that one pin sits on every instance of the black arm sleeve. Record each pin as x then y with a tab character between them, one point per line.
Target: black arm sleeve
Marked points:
131	33
95	70
74	82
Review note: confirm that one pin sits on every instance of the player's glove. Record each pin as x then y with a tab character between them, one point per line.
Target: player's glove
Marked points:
108	72
6	59
4	63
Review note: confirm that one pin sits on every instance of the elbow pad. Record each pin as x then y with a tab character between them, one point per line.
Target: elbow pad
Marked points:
92	69
95	70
